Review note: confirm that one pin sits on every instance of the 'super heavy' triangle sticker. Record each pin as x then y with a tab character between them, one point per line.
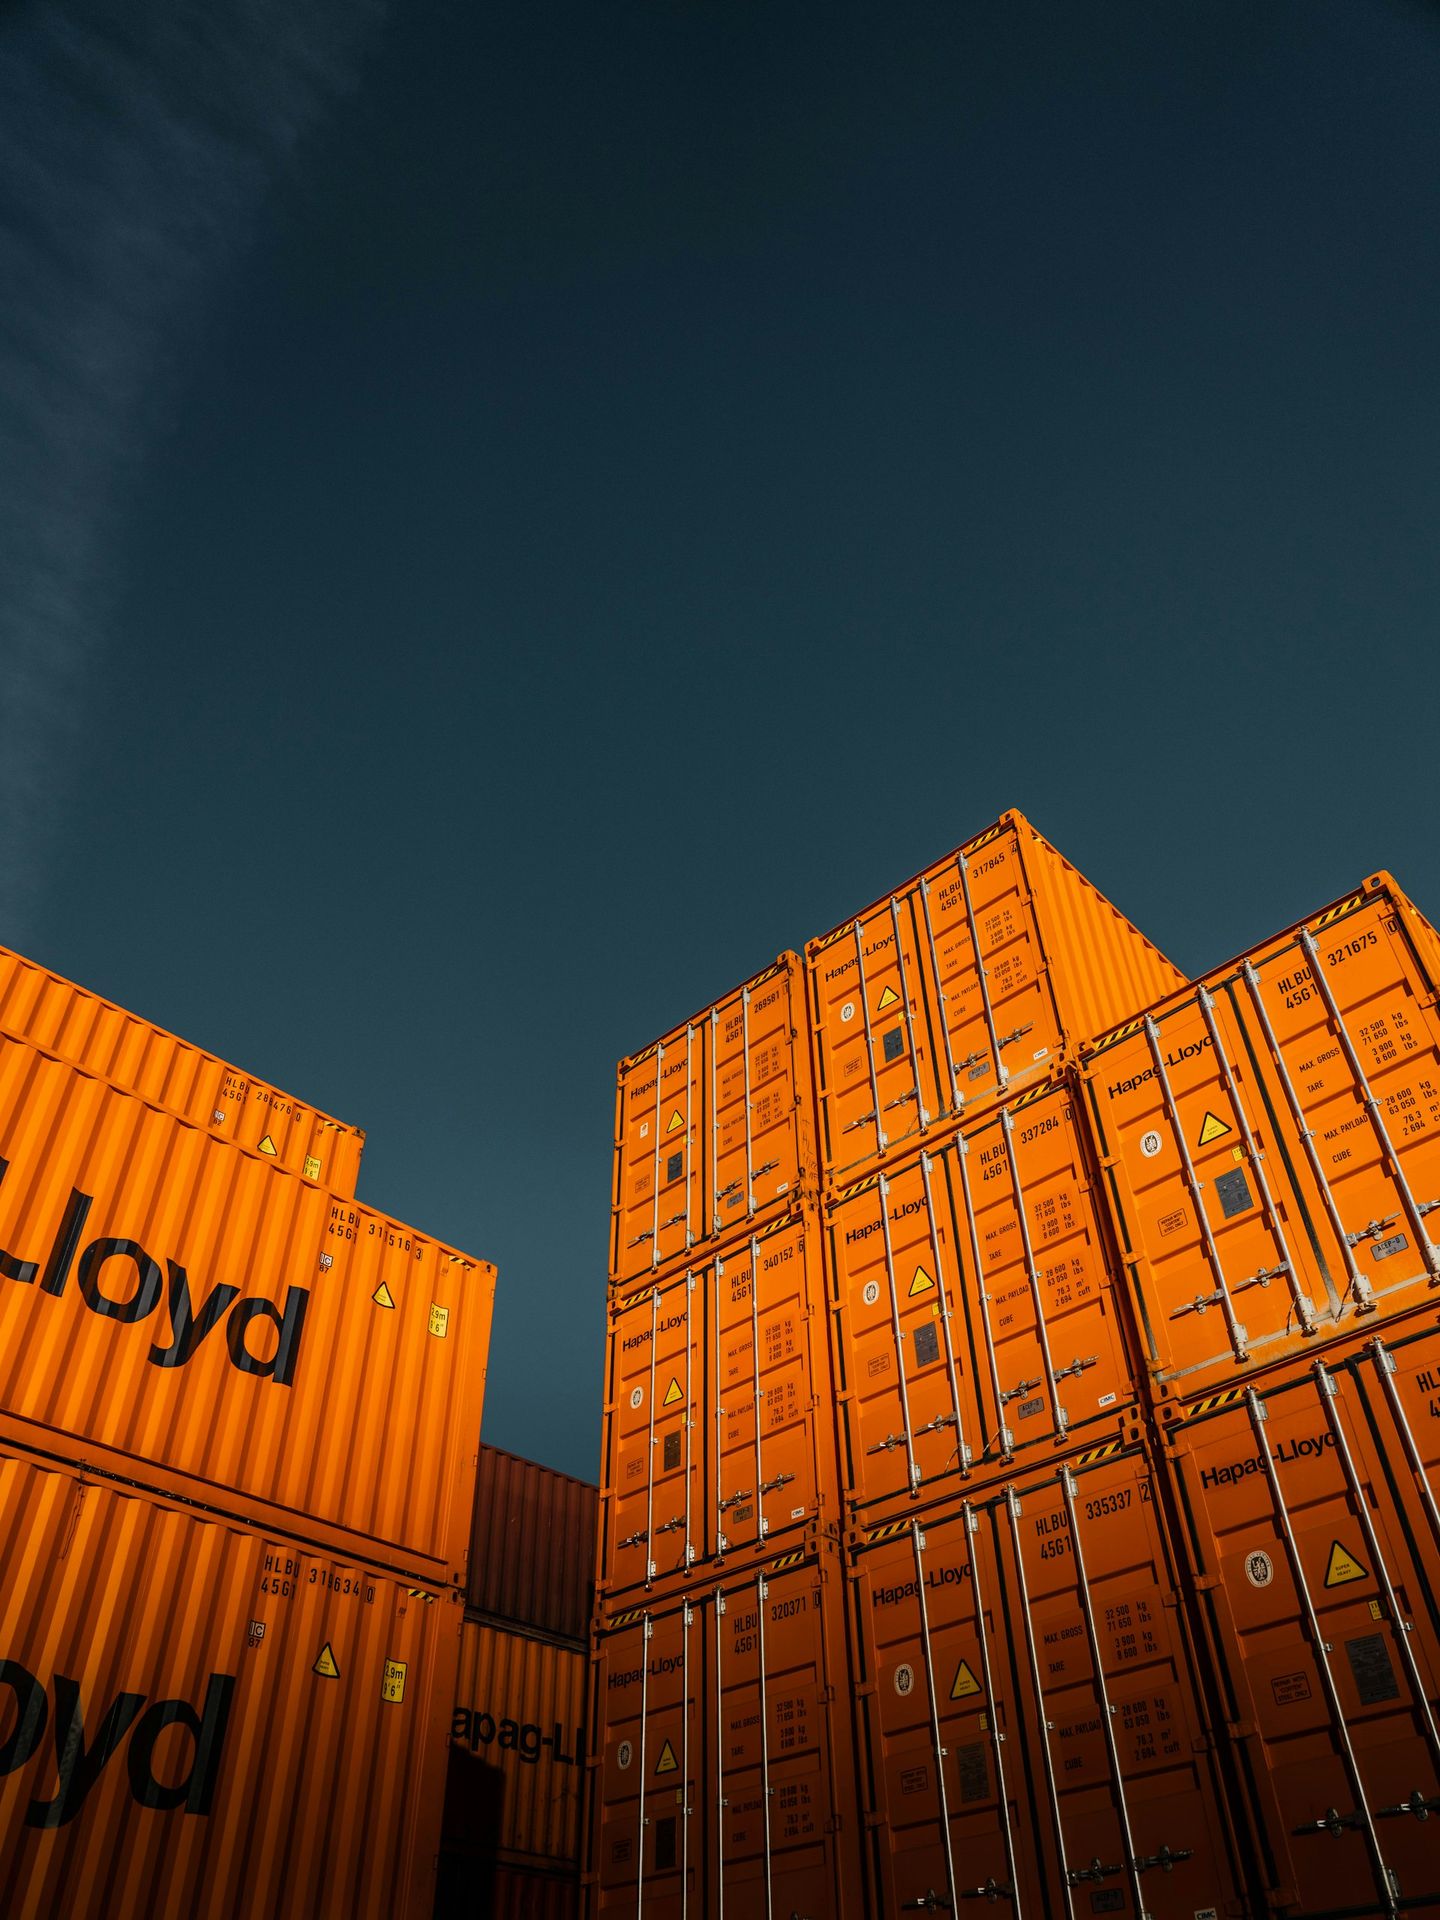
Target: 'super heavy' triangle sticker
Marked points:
325	1663
1343	1567
1212	1127
267	1145
667	1763
675	1122
672	1393
922	1282
887	998
964	1683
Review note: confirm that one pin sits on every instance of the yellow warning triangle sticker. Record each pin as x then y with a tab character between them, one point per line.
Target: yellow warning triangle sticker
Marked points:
672	1393
887	999
667	1763
964	1683
1343	1567
1212	1127
325	1664
922	1282
677	1119
382	1296
267	1145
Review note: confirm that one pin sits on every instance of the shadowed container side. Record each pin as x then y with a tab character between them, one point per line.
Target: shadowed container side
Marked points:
965	986
1309	1513
91	1033
713	1126
532	1547
207	1721
1271	1144
203	1321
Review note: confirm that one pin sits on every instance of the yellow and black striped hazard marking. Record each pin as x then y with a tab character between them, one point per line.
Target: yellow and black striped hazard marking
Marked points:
1214	1400
869	1184
1092	1454
828	939
644	1295
769	974
990	833
419	1593
1115	1036
787	1560
888	1530
1031	1095
1337	912
628	1618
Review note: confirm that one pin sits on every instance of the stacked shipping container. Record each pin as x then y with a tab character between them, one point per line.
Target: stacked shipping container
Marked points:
1132	1345
238	1419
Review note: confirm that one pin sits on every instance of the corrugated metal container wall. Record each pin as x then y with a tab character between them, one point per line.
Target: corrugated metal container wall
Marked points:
1033	1720
724	1776
202	1313
520	1709
713	1125
532	1546
518	1894
282	1717
100	1038
718	1436
965	986
1309	1510
979	1325
1271	1138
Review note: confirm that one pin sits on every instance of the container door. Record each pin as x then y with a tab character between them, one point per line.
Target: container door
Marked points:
657	1205
653	1522
771	1469
757	1147
648	1817
1318	1601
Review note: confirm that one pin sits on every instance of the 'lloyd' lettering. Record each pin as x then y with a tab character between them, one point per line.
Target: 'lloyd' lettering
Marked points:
80	1756
118	1280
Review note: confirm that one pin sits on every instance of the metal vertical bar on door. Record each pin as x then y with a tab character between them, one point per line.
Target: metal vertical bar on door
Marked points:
689	1407
1060	1420
1360	1287
650	1450
1304	1308
952	1073
869	1042
1402	1628
761	1528
1012	1503
1107	1712
720	1801
1415	1211
1239	1339
1385	1367
1002	1072
721	1542
749	1142
921	1112
961	1449
646	1629
982	1293
992	1713
655	1171
689	1135
1384	1883
762	1594
713	1076
686	1619
898	1333
917	1541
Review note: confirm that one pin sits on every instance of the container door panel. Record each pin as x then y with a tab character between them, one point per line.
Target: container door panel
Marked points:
653	1464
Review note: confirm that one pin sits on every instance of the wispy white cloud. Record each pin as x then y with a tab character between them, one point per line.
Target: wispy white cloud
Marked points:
137	140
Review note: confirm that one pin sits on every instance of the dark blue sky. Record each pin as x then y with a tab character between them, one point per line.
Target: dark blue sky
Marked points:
513	516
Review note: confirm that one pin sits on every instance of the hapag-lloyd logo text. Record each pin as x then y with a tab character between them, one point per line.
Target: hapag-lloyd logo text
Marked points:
80	1756
118	1279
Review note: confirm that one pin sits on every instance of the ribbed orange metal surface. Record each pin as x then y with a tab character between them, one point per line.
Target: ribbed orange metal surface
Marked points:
94	1034
979	1324
719	1435
1272	1143
713	1125
1034	1729
169	1306
725	1775
520	1712
199	1720
532	1546
1309	1511
966	985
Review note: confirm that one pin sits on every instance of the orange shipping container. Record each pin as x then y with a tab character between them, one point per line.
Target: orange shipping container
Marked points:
520	1714
95	1035
963	987
177	1312
198	1719
532	1546
1309	1510
978	1326
712	1129
1032	1721
723	1777
1272	1143
718	1429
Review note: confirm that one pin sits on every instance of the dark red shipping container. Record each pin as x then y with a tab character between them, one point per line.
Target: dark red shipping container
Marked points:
532	1546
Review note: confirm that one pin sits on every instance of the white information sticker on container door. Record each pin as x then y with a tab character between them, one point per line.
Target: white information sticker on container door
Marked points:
904	1679
1150	1144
